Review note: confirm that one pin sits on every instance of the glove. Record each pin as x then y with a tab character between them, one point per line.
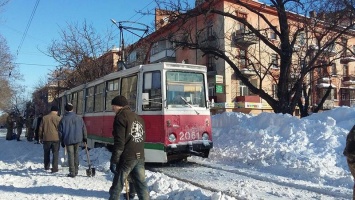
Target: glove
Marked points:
113	168
85	140
63	145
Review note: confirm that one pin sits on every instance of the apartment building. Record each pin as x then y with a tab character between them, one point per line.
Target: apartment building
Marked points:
249	52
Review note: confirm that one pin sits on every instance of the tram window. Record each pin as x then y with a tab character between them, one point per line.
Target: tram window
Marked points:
152	86
185	89
129	90
89	107
99	97
79	108
69	98
112	91
74	101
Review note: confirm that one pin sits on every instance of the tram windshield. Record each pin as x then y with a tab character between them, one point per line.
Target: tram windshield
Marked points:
185	89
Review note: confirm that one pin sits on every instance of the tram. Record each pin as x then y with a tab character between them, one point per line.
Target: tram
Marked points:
171	98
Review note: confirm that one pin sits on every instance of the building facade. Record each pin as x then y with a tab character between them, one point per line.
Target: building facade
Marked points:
251	55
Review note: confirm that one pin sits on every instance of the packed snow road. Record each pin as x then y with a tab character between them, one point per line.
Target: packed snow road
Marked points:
245	184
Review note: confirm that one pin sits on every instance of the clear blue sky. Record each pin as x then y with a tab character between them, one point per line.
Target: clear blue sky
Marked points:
52	15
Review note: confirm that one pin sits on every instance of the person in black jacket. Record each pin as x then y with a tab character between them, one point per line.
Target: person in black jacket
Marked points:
349	152
128	150
37	123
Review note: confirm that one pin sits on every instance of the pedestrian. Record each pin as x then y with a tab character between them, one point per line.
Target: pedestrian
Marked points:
29	128
349	152
72	131
10	123
20	121
48	134
36	124
128	150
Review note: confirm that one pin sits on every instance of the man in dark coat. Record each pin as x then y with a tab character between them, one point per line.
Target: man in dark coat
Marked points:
349	152
128	150
37	123
20	121
72	131
29	128
10	124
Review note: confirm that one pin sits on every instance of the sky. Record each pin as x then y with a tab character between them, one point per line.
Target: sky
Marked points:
49	17
266	156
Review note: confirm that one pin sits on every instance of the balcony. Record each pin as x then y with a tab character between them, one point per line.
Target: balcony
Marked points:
248	72
313	47
330	51
348	57
206	41
324	80
244	37
166	55
325	85
347	80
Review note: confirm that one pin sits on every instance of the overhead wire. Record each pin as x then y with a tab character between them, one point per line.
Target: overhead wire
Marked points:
27	27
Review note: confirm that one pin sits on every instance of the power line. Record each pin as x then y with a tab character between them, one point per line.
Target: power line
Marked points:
35	64
27	27
141	14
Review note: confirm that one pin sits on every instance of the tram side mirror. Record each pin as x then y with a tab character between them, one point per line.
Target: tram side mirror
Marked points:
145	99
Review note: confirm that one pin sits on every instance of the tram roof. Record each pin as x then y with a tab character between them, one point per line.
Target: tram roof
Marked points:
136	69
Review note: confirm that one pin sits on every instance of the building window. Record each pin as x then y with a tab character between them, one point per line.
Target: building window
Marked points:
242	58
272	35
244	90
301	38
210	63
240	14
210	30
344	43
132	56
333	69
302	63
211	90
274	60
345	70
274	91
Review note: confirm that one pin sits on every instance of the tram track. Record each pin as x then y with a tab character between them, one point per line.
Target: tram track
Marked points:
160	169
236	182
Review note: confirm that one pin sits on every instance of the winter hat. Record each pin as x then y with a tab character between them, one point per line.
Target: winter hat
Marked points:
54	108
68	107
119	101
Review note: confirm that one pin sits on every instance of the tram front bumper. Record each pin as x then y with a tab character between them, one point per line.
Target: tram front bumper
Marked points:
200	148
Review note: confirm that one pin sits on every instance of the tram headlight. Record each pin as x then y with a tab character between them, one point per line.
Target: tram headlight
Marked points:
205	136
172	137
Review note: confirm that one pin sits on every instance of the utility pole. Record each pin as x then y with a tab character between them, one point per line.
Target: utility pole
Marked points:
120	25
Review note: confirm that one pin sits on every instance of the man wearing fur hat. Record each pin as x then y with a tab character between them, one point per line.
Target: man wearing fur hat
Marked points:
128	150
48	134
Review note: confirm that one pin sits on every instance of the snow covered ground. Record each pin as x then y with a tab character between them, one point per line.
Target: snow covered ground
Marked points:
301	154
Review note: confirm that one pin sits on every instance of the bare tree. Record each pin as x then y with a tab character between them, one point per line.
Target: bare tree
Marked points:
78	51
8	74
303	52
